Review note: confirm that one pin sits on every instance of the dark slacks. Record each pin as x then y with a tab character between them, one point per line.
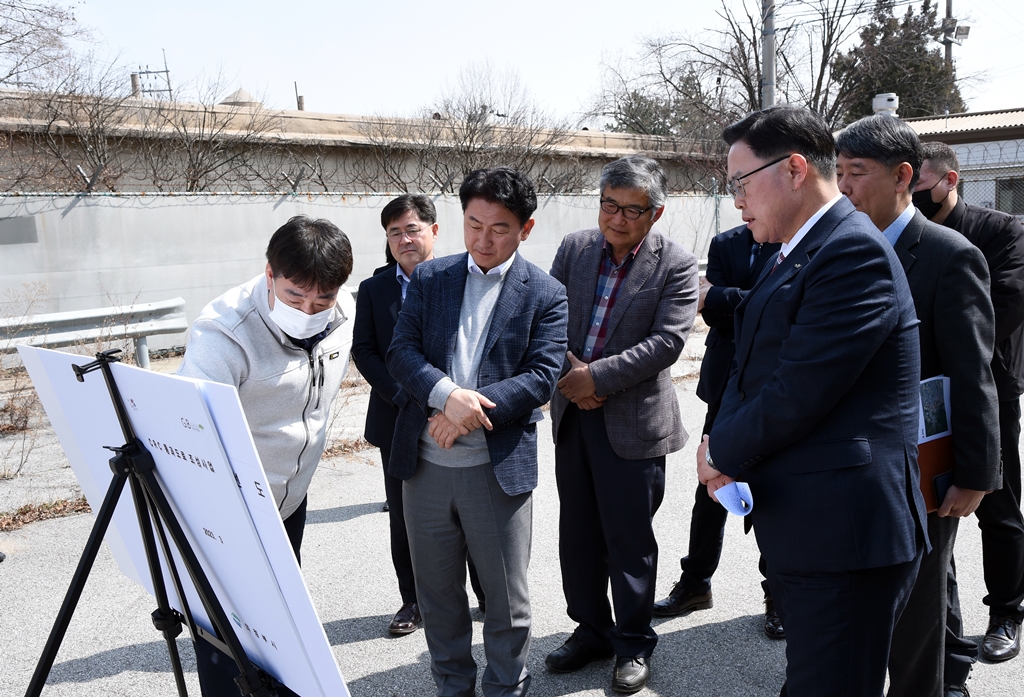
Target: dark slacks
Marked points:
607	505
217	671
707	533
1002	546
400	556
918	642
839	627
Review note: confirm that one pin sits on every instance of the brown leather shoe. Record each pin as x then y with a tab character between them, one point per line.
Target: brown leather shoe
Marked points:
773	628
406	621
682	602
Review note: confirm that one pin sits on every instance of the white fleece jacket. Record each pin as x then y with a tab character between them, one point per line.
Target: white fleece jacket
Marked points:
286	392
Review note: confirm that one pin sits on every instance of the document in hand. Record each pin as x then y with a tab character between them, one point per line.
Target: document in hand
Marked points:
208	467
935	441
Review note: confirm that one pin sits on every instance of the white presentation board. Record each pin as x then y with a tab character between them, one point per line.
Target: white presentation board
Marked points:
210	472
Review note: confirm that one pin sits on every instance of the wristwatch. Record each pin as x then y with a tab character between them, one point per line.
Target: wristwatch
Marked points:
708	460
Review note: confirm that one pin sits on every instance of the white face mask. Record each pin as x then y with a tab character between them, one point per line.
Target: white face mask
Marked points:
296	323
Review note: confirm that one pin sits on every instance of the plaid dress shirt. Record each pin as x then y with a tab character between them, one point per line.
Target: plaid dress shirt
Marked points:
609	280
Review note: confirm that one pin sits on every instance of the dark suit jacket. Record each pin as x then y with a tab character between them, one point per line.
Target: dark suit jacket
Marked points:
821	415
949	281
377	305
1000	238
732	276
653	313
524	350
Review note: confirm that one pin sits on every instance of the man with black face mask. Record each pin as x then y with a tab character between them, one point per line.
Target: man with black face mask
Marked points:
1001	239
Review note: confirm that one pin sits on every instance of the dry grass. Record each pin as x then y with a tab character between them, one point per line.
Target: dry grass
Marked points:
32	513
346	446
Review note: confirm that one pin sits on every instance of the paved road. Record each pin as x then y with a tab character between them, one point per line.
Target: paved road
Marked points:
112	649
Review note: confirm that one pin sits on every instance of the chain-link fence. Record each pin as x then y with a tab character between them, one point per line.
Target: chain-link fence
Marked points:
992	175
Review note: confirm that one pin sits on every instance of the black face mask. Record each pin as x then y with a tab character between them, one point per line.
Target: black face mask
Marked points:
923	202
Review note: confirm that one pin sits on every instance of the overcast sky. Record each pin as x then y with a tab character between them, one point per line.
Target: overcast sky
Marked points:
395	56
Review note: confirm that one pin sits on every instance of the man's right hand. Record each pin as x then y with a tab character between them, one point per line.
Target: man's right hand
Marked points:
443	431
705	286
465	409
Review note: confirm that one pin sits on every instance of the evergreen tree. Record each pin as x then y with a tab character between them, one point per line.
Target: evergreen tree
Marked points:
899	55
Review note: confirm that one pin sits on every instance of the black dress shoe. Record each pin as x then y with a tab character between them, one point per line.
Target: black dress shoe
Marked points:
682	602
1002	640
573	655
631	673
957	691
772	624
406	621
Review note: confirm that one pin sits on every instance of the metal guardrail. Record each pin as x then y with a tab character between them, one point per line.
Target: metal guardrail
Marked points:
87	326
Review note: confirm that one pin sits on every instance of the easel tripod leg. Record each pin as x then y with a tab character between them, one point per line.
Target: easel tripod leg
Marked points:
92	548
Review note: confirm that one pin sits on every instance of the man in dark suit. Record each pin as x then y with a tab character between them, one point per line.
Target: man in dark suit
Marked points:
879	161
1000	238
735	260
632	300
820	417
476	353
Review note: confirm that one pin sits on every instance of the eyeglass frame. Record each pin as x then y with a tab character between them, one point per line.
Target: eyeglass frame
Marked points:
735	185
399	234
618	208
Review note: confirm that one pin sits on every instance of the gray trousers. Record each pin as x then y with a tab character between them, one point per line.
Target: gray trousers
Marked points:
449	510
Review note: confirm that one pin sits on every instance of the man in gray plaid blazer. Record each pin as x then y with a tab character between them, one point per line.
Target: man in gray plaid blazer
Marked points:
632	300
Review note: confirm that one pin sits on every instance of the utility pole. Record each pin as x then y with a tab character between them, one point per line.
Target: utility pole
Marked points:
768	53
948	25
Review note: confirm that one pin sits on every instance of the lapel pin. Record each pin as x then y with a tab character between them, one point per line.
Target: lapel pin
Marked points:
796	266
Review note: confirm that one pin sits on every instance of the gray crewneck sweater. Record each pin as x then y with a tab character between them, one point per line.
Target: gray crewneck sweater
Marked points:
478	301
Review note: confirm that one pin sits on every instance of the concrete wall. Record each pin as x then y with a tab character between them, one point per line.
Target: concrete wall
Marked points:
98	251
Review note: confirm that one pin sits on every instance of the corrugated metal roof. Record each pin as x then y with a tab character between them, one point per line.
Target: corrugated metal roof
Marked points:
961	123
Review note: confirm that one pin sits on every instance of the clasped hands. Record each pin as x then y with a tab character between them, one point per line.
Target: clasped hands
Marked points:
463	413
707	475
578	384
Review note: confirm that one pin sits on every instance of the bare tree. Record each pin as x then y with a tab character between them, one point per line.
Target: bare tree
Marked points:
199	146
690	85
34	41
87	125
486	120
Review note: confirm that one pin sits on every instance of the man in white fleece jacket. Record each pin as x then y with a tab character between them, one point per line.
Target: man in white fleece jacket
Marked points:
283	340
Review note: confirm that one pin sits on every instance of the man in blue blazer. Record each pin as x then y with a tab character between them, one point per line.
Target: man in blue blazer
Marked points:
410	224
821	414
476	352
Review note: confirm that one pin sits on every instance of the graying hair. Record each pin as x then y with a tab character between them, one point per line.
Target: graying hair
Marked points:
637	172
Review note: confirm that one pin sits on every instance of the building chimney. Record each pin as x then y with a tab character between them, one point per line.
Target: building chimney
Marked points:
136	85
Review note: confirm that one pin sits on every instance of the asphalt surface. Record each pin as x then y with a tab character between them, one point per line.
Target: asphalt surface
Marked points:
111	647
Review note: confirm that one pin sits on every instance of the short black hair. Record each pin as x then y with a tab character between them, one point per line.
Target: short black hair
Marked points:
884	139
420	204
773	132
509	187
942	157
310	253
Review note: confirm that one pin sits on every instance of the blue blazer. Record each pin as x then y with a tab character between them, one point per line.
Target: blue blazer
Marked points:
524	351
820	416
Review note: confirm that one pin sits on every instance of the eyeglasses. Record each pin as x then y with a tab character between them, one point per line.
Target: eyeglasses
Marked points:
735	186
410	232
629	212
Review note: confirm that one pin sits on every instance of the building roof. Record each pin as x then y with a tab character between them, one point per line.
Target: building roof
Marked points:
972	127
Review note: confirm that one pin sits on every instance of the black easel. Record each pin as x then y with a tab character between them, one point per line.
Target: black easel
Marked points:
133	463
